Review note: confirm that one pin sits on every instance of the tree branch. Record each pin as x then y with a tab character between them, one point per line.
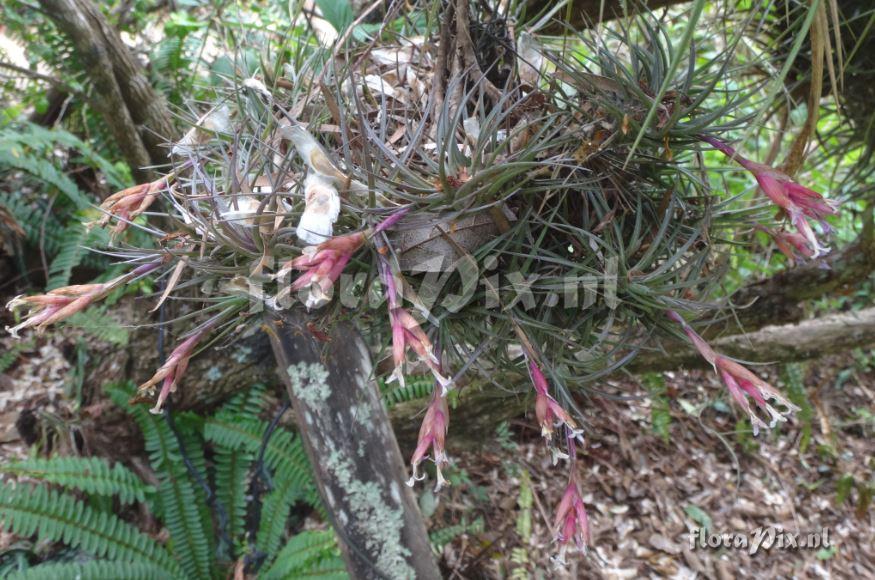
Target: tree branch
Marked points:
809	339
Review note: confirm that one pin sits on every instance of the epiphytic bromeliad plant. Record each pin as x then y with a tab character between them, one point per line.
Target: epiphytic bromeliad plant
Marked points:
479	197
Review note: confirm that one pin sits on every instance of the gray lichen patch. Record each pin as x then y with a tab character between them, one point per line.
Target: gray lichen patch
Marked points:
213	374
362	415
310	383
373	518
241	354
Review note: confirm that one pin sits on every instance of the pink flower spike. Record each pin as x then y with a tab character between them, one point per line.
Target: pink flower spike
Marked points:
127	204
399	346
740	382
415	338
432	434
791	244
571	521
390	221
62	303
808	234
701	345
548	411
173	369
321	266
797	201
406	332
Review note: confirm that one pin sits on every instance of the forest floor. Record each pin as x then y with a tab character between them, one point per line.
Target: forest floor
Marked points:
645	494
644	491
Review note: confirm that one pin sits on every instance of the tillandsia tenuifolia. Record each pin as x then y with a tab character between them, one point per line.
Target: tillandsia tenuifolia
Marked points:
538	215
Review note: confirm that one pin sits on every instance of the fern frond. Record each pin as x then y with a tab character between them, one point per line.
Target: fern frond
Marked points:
247	405
89	474
49	235
97	323
69	257
442	537
286	459
8	358
96	570
284	454
310	554
275	510
415	388
116	174
58	517
18	158
232	469
330	569
182	507
40	140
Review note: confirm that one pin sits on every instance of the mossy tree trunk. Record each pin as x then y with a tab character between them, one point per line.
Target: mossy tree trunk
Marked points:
355	457
135	113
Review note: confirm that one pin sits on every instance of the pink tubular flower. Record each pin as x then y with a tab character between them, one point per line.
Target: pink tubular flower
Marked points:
56	305
62	303
432	434
406	332
797	201
127	204
549	412
322	265
790	244
571	520
172	369
741	383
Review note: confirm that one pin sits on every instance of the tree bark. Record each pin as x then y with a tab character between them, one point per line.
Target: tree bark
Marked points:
135	113
809	339
351	445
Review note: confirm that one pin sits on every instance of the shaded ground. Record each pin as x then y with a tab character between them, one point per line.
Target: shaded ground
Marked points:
644	492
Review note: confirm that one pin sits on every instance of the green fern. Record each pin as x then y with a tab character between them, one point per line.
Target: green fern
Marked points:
69	257
17	157
310	554
181	506
40	229
287	461
89	474
276	507
284	454
415	388
42	141
116	174
58	517
97	323
442	537
95	570
30	149
235	435
246	405
232	470
8	358
233	465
